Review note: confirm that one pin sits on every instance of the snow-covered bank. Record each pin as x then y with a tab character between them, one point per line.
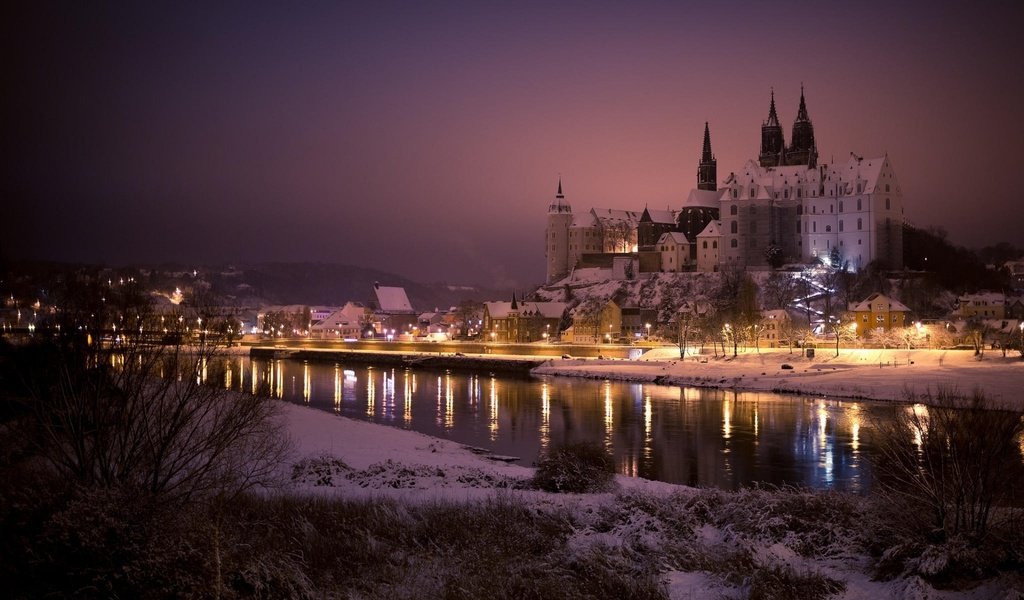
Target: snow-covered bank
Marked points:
706	541
866	374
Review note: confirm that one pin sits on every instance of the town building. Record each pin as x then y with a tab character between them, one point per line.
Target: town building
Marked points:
878	312
984	305
784	206
521	322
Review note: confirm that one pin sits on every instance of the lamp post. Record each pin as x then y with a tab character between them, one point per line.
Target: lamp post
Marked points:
648	326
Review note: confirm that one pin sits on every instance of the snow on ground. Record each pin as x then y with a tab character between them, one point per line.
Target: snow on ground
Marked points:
355	459
855	373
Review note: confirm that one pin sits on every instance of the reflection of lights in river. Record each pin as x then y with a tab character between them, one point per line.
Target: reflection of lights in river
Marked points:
648	434
608	416
726	418
252	376
822	423
855	427
305	382
279	374
407	397
757	423
371	391
202	371
449	402
228	373
337	388
493	422
545	416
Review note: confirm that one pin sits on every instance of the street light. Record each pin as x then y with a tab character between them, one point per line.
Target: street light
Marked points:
648	326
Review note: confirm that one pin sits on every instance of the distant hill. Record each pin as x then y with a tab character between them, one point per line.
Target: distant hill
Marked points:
248	285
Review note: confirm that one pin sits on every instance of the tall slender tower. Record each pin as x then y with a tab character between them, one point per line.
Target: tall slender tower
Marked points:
707	171
773	146
802	150
556	237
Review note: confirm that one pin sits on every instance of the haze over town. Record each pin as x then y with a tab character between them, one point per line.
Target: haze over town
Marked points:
427	140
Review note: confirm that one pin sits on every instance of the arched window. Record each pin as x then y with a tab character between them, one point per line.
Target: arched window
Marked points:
732	209
733	227
840	224
733	243
860	224
887	205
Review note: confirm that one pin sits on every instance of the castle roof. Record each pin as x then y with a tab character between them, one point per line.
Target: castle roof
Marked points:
703	199
675	236
712	229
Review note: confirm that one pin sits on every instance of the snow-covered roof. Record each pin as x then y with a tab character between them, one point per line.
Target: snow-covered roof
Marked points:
583	220
611	217
673	236
548	310
703	199
712	229
392	299
347	316
865	305
662	216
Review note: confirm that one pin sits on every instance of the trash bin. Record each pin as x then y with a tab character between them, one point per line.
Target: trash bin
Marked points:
810	353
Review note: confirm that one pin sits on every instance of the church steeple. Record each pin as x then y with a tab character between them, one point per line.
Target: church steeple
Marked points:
514	305
773	145
559	205
803	150
707	170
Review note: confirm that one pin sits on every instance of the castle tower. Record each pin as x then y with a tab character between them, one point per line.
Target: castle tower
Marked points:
556	237
802	150
707	171
773	146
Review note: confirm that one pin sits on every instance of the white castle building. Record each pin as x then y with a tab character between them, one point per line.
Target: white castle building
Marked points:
782	208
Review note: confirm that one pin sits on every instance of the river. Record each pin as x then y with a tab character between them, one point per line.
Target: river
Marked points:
692	436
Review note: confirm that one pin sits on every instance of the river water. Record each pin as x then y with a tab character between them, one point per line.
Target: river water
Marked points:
691	436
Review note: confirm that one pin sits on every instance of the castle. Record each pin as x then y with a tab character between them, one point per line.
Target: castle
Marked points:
782	208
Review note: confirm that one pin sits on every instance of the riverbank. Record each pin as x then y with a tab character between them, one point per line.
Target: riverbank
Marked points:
860	374
686	542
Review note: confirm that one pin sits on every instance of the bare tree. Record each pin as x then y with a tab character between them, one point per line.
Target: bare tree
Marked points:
956	457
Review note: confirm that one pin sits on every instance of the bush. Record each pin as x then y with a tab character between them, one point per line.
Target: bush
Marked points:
580	468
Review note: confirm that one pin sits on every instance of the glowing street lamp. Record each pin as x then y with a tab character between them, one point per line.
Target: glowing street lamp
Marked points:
648	326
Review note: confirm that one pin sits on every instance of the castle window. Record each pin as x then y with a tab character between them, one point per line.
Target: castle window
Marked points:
858	204
799	209
776	195
887	187
831	208
785	193
859	187
705	244
733	227
828	229
814	226
814	209
840	242
798	193
840	206
732	209
840	224
733	243
887	206
714	244
858	242
751	192
734	193
860	224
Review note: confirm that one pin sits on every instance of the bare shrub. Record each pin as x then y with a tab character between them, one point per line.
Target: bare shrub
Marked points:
783	582
579	468
141	416
951	475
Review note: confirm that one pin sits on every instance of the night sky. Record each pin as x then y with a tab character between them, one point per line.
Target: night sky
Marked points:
427	139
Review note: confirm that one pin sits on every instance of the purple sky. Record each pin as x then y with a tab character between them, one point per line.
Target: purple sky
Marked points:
427	140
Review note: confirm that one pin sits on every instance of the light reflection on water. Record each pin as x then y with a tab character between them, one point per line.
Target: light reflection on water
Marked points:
691	436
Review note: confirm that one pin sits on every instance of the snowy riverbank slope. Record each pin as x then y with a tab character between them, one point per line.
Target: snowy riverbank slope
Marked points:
704	541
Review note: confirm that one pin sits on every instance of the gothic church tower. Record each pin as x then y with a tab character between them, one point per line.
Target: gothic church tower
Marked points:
773	146
802	149
556	237
707	171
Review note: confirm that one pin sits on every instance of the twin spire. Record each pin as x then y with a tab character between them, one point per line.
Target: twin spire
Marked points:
802	149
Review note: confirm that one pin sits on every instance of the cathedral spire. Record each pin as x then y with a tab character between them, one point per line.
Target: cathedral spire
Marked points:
707	156
772	142
707	170
514	305
801	114
773	117
559	194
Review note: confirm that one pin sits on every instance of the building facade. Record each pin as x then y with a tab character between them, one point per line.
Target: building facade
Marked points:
784	205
